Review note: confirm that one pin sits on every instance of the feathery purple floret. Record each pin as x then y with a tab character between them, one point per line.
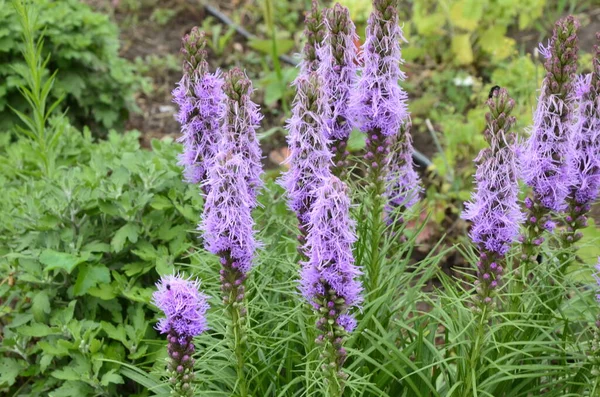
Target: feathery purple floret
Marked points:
379	103
403	186
338	70
548	151
227	220
330	277
586	137
183	305
242	119
494	209
199	96
309	158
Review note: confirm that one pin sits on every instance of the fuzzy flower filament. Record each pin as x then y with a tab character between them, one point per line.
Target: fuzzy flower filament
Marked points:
199	96
494	209
403	185
586	152
310	158
548	151
339	72
329	278
184	307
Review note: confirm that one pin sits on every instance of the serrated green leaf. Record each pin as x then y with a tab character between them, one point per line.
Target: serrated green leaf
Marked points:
61	260
40	306
111	377
90	276
37	330
9	370
127	232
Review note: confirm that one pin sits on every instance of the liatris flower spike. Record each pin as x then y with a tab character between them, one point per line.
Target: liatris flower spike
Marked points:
494	209
378	102
242	119
403	185
586	151
339	72
199	96
228	233
309	158
548	151
379	105
329	279
184	307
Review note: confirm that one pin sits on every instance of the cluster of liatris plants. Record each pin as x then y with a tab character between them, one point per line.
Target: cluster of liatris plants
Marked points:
353	251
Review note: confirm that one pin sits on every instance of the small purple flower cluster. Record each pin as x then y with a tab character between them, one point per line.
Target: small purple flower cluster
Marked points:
184	308
403	186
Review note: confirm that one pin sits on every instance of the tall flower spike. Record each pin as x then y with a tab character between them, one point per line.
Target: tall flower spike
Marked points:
309	158
184	307
379	105
199	95
403	183
585	140
494	209
547	153
242	119
329	279
314	32
228	233
338	70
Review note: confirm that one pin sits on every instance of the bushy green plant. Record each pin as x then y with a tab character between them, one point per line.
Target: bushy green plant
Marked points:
97	84
80	252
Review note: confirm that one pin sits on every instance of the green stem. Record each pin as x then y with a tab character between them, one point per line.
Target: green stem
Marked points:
239	342
376	166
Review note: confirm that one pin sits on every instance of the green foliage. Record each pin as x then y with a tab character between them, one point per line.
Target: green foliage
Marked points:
83	248
96	84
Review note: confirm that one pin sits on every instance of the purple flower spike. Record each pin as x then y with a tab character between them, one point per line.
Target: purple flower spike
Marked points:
309	158
403	186
330	274
242	119
339	72
548	153
585	141
380	103
185	308
494	209
227	220
199	96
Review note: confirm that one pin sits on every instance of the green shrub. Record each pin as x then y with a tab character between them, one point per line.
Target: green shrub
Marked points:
80	251
98	85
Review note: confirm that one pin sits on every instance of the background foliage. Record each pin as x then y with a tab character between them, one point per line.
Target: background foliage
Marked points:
97	84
